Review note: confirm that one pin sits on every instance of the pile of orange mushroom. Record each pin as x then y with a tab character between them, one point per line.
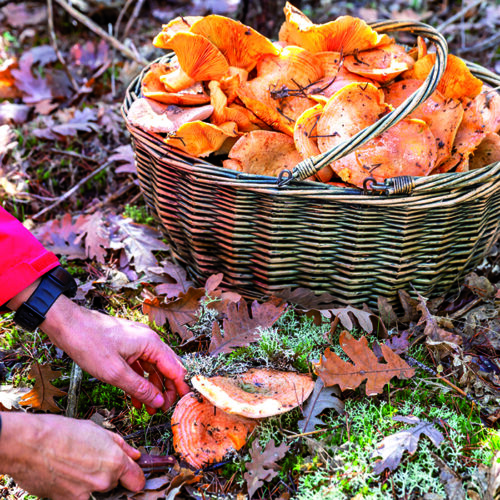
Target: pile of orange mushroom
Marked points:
228	90
208	426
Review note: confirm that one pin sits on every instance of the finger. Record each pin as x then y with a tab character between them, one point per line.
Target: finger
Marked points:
132	452
171	367
170	394
136	366
140	388
132	477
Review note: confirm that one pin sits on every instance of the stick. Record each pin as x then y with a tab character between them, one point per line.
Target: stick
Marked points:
133	17
458	15
73	154
74	390
53	39
99	31
75	188
128	3
485	44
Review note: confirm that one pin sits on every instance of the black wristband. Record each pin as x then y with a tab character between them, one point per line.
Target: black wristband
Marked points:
56	282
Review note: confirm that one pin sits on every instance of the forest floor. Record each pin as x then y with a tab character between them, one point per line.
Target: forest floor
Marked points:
67	171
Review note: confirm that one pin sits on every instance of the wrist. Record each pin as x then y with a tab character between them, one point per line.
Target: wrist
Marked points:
22	296
19	441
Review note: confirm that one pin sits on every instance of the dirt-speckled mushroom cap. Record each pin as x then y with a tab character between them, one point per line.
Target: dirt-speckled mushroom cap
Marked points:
203	434
258	393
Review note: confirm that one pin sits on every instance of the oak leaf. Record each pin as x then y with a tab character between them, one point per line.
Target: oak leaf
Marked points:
153	307
10	396
34	88
333	370
321	399
391	448
90	55
306	298
124	155
41	397
175	277
263	466
351	318
240	329
182	312
138	241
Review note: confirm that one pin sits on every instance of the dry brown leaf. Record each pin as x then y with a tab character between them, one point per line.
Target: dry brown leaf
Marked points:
351	317
263	466
240	329
175	277
182	312
153	307
41	397
333	370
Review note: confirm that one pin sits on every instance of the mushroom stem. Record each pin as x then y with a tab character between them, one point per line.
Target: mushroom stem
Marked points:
176	80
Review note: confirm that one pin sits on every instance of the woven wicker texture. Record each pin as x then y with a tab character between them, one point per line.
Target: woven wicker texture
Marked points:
423	232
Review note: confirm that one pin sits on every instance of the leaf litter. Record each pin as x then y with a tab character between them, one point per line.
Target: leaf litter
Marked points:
79	130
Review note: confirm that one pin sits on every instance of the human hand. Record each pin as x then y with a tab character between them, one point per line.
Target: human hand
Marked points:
119	352
60	458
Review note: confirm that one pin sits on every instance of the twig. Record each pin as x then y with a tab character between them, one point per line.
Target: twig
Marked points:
466	308
53	39
73	154
128	3
74	390
75	188
110	198
459	14
490	42
293	436
133	17
99	31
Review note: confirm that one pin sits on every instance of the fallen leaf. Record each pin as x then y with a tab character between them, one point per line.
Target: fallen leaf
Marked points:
333	370
24	14
90	55
321	399
240	329
213	282
481	286
34	88
450	480
124	154
82	121
137	240
10	396
355	318
7	141
177	277
183	311
386	312
435	334
153	307
391	448
97	237
13	113
306	298
398	344
63	236
41	397
42	55
263	467
409	306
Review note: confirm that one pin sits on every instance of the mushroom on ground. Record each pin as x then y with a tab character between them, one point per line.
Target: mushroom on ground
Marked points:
203	434
258	393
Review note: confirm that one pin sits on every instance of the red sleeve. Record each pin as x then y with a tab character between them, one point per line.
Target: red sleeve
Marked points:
23	259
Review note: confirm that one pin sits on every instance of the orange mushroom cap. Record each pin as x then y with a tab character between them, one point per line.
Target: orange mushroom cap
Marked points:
177	25
457	81
241	45
154	89
346	34
263	152
199	60
382	64
487	152
471	131
458	162
442	115
488	104
154	116
200	139
258	393
203	434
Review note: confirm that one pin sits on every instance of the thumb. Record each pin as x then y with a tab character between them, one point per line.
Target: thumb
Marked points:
132	477
140	388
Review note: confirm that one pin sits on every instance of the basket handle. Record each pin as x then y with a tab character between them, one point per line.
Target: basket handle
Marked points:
311	166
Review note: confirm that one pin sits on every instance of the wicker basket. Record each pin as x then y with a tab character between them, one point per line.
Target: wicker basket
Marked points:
422	232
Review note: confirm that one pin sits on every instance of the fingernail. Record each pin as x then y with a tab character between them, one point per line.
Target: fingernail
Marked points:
158	401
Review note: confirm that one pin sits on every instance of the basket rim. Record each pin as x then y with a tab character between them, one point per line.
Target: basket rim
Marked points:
398	187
